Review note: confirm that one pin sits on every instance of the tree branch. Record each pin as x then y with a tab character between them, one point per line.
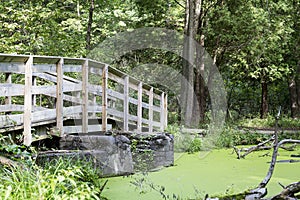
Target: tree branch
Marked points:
179	3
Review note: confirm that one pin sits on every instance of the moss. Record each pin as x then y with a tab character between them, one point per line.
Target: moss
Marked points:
215	172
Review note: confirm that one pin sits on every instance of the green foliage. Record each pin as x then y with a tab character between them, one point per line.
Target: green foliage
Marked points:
195	145
232	136
142	158
61	180
184	142
11	149
269	122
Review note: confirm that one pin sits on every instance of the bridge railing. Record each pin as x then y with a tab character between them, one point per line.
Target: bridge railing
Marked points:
36	90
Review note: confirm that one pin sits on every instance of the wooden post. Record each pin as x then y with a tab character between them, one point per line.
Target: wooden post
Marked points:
162	111
28	102
85	97
8	98
166	111
139	108
151	110
126	103
59	96
104	97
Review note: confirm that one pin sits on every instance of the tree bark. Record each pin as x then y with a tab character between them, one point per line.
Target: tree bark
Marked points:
293	98
199	111
190	84
89	27
264	99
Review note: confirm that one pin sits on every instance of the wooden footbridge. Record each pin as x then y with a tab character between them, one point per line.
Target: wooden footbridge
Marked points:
40	90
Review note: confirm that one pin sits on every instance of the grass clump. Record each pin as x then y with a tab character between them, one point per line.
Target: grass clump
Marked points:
56	180
184	142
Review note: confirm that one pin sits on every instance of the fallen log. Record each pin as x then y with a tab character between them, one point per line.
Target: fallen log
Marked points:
7	162
251	149
260	147
288	192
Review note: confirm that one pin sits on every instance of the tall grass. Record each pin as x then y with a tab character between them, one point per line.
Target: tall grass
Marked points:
57	180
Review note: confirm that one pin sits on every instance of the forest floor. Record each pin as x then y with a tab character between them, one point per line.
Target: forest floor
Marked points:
214	172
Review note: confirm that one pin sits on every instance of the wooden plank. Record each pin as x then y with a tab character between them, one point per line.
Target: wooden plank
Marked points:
85	96
66	78
76	100
119	114
151	110
44	68
115	78
18	108
139	107
162	113
144	104
90	128
126	103
104	97
72	68
12	67
28	102
51	89
59	97
11	108
45	115
11	120
52	77
95	89
115	94
95	70
94	109
72	111
8	90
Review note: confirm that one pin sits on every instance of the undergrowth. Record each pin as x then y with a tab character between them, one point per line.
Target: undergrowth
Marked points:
56	180
61	178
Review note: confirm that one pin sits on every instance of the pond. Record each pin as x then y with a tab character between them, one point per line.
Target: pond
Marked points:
213	172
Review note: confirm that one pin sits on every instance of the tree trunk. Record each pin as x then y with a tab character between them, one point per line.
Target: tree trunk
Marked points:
89	27
264	99
293	98
200	88
190	80
298	88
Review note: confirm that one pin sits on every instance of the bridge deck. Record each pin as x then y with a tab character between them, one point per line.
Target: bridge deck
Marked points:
40	89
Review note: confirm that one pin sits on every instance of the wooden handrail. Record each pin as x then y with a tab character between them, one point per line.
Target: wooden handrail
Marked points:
91	99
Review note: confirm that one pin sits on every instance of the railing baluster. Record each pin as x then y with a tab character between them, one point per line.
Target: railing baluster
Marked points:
151	110
104	97
28	102
85	96
139	108
166	111
126	103
162	111
59	97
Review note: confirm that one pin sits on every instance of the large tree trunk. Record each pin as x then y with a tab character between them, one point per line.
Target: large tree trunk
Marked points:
190	84
200	102
298	88
264	99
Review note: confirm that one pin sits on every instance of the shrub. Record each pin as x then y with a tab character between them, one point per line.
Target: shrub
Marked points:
59	180
195	145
